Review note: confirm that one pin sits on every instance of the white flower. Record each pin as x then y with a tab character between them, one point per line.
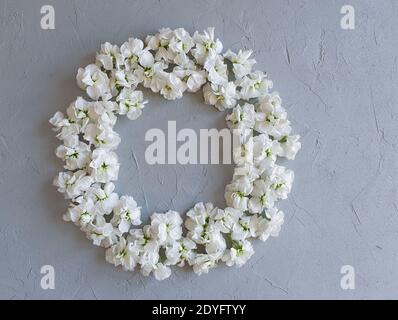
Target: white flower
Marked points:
180	252
289	146
181	42
227	218
131	103
104	198
104	166
133	52
161	272
122	79
109	56
151	74
183	61
102	113
160	43
200	214
75	157
271	225
265	151
167	227
59	121
73	185
126	213
94	81
280	179
238	255
205	45
216	245
217	69
78	112
203	263
122	254
254	85
149	258
236	193
81	214
271	118
172	87
243	153
261	197
220	96
244	228
102	137
200	222
70	135
247	170
68	131
241	117
242	65
101	232
154	42
192	80
144	238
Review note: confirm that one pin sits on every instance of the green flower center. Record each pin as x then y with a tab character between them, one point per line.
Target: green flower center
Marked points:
277	186
104	166
283	139
122	254
257	85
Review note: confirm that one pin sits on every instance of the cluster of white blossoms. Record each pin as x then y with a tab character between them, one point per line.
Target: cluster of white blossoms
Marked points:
172	62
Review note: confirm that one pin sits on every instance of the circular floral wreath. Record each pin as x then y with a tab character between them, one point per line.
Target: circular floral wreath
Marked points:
172	62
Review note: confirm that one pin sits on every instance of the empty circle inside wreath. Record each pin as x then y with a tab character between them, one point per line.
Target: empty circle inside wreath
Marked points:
163	187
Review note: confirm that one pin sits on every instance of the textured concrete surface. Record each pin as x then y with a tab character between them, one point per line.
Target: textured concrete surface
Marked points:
340	88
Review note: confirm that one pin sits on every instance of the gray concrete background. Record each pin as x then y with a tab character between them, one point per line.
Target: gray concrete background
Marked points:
340	89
